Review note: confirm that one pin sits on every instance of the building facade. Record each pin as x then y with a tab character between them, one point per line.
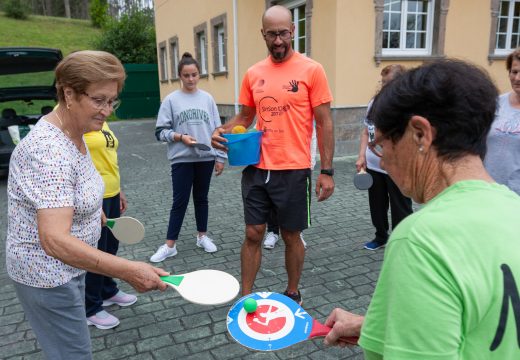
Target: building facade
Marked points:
352	39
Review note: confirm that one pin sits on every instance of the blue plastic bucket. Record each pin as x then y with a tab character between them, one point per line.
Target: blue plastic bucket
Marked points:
243	149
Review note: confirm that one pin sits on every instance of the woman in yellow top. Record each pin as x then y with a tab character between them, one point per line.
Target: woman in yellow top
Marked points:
102	290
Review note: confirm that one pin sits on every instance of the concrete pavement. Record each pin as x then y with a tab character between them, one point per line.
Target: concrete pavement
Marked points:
337	271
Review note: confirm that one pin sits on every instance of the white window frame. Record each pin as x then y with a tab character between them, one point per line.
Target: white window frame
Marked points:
402	50
220	48
293	5
174	49
201	36
163	53
509	31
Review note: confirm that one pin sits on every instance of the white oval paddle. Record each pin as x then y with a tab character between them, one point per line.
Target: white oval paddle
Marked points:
205	287
126	229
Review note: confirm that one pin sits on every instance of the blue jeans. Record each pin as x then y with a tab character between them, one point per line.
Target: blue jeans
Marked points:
99	287
184	177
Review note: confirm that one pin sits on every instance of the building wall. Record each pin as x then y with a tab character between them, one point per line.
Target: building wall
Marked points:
468	31
342	40
178	18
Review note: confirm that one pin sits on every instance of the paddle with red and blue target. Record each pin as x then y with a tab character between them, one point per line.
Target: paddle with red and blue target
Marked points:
278	322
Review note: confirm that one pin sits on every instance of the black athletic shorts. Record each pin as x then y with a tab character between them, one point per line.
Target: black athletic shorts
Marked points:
286	192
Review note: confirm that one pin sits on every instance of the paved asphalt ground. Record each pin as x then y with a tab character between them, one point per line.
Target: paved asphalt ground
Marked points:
162	325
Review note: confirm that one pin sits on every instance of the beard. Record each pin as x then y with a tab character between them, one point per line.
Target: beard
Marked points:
278	52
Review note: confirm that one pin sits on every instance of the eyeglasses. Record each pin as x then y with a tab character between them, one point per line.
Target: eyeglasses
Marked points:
375	145
101	103
284	35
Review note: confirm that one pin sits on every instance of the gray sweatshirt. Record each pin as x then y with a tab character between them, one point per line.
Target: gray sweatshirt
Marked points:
195	114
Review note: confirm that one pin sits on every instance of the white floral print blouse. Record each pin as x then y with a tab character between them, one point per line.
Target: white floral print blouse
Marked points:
47	171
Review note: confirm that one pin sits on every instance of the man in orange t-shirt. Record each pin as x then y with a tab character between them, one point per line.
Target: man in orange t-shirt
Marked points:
286	92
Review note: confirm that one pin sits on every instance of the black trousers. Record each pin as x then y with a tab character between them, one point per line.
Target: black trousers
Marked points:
100	287
383	194
186	178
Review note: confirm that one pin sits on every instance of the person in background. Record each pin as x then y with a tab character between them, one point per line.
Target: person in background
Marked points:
383	191
447	288
101	290
186	117
281	181
55	213
503	141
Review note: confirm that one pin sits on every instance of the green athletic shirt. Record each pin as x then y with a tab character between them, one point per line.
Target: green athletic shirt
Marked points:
441	291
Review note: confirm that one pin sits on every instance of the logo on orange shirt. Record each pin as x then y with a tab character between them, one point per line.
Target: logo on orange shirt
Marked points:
292	87
269	108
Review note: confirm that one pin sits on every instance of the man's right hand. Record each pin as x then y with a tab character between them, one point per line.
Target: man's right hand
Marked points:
217	139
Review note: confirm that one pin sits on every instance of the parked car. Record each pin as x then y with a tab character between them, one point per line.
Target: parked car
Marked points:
27	92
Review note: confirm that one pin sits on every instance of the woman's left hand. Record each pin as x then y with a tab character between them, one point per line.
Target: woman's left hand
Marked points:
123	203
219	167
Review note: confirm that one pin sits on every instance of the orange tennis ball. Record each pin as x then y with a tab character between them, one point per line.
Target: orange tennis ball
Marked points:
239	129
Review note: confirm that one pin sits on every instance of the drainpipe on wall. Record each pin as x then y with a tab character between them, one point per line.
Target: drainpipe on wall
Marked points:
235	52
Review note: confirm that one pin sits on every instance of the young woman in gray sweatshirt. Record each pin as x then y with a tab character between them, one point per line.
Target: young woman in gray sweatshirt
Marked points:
186	117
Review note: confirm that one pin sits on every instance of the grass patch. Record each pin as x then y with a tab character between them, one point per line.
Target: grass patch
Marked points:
68	35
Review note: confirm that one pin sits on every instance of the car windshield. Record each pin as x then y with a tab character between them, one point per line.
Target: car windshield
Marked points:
42	78
23	107
30	81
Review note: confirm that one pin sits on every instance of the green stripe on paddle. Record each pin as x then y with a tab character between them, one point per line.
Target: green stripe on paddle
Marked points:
173	279
110	223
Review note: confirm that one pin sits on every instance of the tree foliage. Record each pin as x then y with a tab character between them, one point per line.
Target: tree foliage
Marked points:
131	38
98	13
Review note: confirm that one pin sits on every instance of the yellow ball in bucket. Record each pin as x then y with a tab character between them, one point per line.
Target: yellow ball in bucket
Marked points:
239	129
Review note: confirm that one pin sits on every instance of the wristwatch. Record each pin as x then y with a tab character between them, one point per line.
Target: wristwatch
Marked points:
329	172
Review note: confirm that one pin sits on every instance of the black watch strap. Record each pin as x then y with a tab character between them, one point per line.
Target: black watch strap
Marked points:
329	172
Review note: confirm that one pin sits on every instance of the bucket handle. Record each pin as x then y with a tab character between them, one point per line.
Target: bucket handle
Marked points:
229	142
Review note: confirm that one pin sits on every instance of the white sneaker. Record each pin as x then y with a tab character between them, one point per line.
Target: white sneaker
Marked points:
303	241
103	320
121	299
270	240
206	243
164	252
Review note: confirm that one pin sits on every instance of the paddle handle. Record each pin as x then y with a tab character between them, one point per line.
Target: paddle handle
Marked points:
110	223
229	142
248	135
320	330
172	279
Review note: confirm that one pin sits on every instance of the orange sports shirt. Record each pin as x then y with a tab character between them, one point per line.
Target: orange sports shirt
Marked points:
284	95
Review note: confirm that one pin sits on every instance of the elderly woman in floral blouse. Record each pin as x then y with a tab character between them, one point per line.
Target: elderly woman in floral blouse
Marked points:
54	209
